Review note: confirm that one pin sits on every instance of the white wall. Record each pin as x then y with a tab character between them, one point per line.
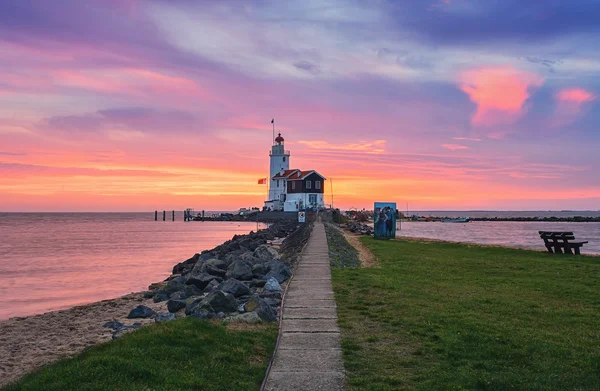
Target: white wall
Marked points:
278	154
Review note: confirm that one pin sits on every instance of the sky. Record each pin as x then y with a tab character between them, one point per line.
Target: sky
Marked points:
137	105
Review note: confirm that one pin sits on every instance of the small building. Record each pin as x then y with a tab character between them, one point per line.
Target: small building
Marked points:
292	190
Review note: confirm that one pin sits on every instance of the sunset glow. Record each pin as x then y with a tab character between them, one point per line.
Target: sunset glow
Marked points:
155	104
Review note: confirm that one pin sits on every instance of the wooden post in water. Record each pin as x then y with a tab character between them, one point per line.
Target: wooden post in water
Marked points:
164	215
185	215
173	215
155	215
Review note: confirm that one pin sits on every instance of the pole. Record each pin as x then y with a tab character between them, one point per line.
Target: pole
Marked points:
155	215
173	215
331	179
273	122
164	215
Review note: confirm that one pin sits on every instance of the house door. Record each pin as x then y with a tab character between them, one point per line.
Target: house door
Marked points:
312	199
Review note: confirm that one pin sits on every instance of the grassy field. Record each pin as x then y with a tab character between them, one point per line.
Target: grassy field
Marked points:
187	354
442	316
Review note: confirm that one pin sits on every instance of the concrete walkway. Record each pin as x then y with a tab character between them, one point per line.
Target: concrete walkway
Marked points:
309	355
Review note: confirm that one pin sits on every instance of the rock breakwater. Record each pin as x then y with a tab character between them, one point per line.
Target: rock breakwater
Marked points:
238	280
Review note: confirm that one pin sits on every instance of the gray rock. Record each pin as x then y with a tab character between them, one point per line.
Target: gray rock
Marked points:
203	314
241	309
235	287
175	305
266	253
278	270
221	302
259	270
196	306
180	295
174	285
272	285
164	317
258	283
160	296
201	280
249	257
149	294
191	290
141	311
240	270
220	315
113	325
248	317
215	267
262	308
212	286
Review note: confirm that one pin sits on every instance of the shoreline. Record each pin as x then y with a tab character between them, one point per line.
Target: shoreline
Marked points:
27	343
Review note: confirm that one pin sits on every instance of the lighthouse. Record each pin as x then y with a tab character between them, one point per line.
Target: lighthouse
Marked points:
292	190
280	162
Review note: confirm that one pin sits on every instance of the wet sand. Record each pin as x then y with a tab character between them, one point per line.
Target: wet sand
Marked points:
28	343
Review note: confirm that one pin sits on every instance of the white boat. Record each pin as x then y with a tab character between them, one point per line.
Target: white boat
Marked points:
463	219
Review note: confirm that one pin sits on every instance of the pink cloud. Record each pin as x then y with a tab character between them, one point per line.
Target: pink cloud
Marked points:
577	95
570	104
500	93
454	147
466	139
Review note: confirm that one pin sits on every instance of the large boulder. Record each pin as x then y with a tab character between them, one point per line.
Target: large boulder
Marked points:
141	311
174	285
262	308
212	286
259	270
240	270
185	266
175	305
266	253
249	257
160	296
197	306
201	280
235	287
215	267
221	302
279	270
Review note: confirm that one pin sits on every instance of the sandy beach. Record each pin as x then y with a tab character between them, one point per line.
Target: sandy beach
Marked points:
28	343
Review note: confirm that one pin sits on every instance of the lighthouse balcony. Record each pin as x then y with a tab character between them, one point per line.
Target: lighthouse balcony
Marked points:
286	153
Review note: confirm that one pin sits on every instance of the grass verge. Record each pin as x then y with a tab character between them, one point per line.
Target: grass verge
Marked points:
444	316
186	354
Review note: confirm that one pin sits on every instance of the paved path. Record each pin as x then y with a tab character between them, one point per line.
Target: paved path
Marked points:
309	355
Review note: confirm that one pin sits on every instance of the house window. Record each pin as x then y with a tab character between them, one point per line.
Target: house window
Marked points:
312	199
308	185
284	158
318	185
277	182
293	185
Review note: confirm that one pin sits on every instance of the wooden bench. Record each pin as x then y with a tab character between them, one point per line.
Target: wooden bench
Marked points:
556	242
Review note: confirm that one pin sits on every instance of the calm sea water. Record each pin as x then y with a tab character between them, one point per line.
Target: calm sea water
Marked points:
53	261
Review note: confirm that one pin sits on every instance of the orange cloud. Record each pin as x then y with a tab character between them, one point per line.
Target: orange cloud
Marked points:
499	93
372	147
454	147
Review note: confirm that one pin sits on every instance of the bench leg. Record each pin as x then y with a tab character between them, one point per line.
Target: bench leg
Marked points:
577	251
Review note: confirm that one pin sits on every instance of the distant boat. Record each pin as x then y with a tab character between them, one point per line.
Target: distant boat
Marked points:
464	219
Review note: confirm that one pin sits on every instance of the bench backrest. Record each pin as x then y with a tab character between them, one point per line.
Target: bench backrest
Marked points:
556	235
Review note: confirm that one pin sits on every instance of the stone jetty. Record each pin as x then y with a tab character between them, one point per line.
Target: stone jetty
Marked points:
240	280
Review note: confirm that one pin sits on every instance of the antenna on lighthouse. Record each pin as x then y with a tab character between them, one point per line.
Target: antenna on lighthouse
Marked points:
273	122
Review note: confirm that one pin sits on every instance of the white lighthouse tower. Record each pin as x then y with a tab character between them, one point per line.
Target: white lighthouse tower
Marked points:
280	161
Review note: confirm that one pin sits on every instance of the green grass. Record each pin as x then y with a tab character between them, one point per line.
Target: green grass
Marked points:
187	354
443	316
